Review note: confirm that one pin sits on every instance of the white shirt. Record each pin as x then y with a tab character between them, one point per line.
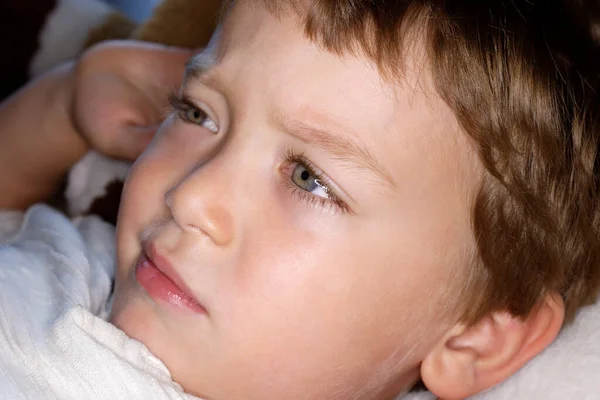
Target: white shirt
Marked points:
55	281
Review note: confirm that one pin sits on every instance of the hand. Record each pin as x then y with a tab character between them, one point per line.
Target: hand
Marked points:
121	93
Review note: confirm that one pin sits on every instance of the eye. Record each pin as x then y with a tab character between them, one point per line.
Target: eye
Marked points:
309	184
306	180
186	110
195	116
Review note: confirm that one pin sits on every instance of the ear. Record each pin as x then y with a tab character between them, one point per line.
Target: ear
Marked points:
471	359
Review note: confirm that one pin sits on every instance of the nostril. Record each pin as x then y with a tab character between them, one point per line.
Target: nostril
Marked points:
169	199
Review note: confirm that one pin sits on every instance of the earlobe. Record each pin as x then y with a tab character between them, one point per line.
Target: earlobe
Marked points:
471	359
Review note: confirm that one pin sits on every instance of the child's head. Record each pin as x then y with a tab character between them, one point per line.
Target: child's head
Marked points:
356	194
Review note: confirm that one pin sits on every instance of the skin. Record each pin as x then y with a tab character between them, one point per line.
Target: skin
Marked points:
304	298
111	100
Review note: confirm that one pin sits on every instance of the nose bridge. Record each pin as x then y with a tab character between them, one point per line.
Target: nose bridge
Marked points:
202	201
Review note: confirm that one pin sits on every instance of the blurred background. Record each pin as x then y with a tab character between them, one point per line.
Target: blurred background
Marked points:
138	10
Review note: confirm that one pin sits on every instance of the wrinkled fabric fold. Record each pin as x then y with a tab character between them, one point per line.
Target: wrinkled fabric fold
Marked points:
55	282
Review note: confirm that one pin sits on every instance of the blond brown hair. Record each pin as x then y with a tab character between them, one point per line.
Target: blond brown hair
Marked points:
522	78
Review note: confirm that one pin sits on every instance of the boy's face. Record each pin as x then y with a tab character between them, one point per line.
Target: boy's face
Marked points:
321	232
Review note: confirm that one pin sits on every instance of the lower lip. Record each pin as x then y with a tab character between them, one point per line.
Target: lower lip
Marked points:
161	288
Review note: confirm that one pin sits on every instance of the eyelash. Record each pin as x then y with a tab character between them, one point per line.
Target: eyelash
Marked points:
291	158
181	103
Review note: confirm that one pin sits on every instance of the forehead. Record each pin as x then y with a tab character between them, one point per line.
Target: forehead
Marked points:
406	114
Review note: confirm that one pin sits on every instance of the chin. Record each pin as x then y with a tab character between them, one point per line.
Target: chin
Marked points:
131	313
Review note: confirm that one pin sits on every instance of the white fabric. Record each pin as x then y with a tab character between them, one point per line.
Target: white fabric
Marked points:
55	280
88	180
65	31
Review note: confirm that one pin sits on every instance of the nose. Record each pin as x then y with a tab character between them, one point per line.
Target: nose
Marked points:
198	205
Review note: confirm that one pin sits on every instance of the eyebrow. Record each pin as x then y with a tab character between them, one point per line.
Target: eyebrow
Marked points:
334	143
199	65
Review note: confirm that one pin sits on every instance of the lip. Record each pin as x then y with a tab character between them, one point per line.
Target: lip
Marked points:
163	284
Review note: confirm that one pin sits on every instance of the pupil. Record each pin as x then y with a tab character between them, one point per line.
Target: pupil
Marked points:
305	175
196	114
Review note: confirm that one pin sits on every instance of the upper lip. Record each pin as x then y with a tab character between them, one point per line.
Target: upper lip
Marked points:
164	266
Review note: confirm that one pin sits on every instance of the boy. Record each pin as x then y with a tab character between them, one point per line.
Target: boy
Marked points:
353	196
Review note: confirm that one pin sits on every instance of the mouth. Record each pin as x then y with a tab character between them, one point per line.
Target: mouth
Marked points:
159	279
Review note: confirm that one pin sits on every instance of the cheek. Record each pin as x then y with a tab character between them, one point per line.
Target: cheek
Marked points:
142	204
317	306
